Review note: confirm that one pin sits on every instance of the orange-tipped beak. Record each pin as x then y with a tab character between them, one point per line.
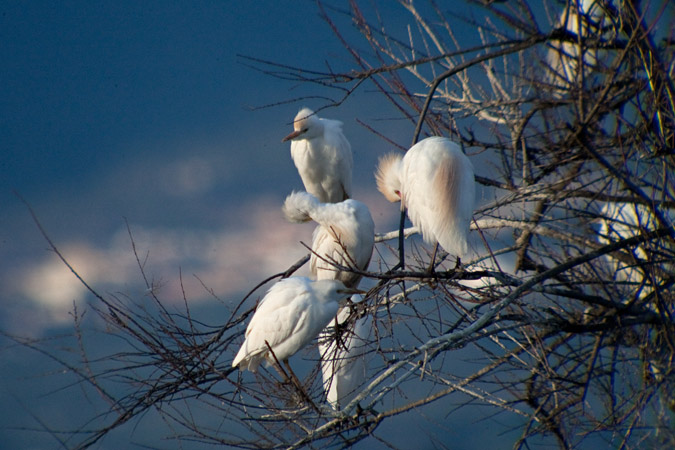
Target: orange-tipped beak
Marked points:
293	135
352	291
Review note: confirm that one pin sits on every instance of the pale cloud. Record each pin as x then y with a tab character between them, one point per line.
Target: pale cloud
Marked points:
52	285
187	177
228	262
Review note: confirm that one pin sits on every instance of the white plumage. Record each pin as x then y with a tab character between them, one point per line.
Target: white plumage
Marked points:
322	156
345	235
583	18
626	220
289	317
344	365
435	182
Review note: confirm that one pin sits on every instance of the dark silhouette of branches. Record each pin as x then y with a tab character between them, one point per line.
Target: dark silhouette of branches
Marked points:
561	320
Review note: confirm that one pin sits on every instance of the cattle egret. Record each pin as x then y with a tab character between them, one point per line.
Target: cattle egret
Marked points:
435	182
343	360
626	220
322	155
289	317
345	235
641	273
582	18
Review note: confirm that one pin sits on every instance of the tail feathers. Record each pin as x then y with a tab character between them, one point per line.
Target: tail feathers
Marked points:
298	207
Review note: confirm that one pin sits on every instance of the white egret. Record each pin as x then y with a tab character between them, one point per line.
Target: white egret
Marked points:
582	18
435	182
626	220
345	235
640	271
344	360
322	155
289	317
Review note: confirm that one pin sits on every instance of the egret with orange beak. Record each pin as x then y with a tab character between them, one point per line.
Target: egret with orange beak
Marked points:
322	156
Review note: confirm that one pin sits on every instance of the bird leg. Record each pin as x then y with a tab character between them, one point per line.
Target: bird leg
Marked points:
401	238
277	365
340	329
290	379
430	269
299	387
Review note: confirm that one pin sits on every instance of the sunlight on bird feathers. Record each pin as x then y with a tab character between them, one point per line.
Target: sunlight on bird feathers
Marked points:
438	189
288	318
322	155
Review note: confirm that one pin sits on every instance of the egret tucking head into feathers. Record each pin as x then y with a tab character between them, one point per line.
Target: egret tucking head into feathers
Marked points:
344	237
435	181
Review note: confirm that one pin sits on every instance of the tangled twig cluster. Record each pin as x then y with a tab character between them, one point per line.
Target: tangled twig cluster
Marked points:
560	321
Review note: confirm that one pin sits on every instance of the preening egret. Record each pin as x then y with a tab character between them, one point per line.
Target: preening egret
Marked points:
289	317
345	235
322	155
435	182
344	362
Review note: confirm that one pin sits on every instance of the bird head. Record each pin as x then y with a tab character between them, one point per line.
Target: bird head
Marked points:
298	207
305	125
334	290
347	293
388	177
352	291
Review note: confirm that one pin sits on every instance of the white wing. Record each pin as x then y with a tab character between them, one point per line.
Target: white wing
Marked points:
439	192
289	317
345	236
338	153
278	315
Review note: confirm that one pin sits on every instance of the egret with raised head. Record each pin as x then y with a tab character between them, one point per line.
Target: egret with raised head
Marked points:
322	156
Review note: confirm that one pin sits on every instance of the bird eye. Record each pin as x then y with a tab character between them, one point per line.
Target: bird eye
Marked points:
305	130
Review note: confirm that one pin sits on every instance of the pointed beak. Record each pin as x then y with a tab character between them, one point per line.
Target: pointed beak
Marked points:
293	135
352	291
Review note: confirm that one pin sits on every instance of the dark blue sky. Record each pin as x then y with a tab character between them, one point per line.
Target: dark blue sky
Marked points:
106	107
85	85
141	111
